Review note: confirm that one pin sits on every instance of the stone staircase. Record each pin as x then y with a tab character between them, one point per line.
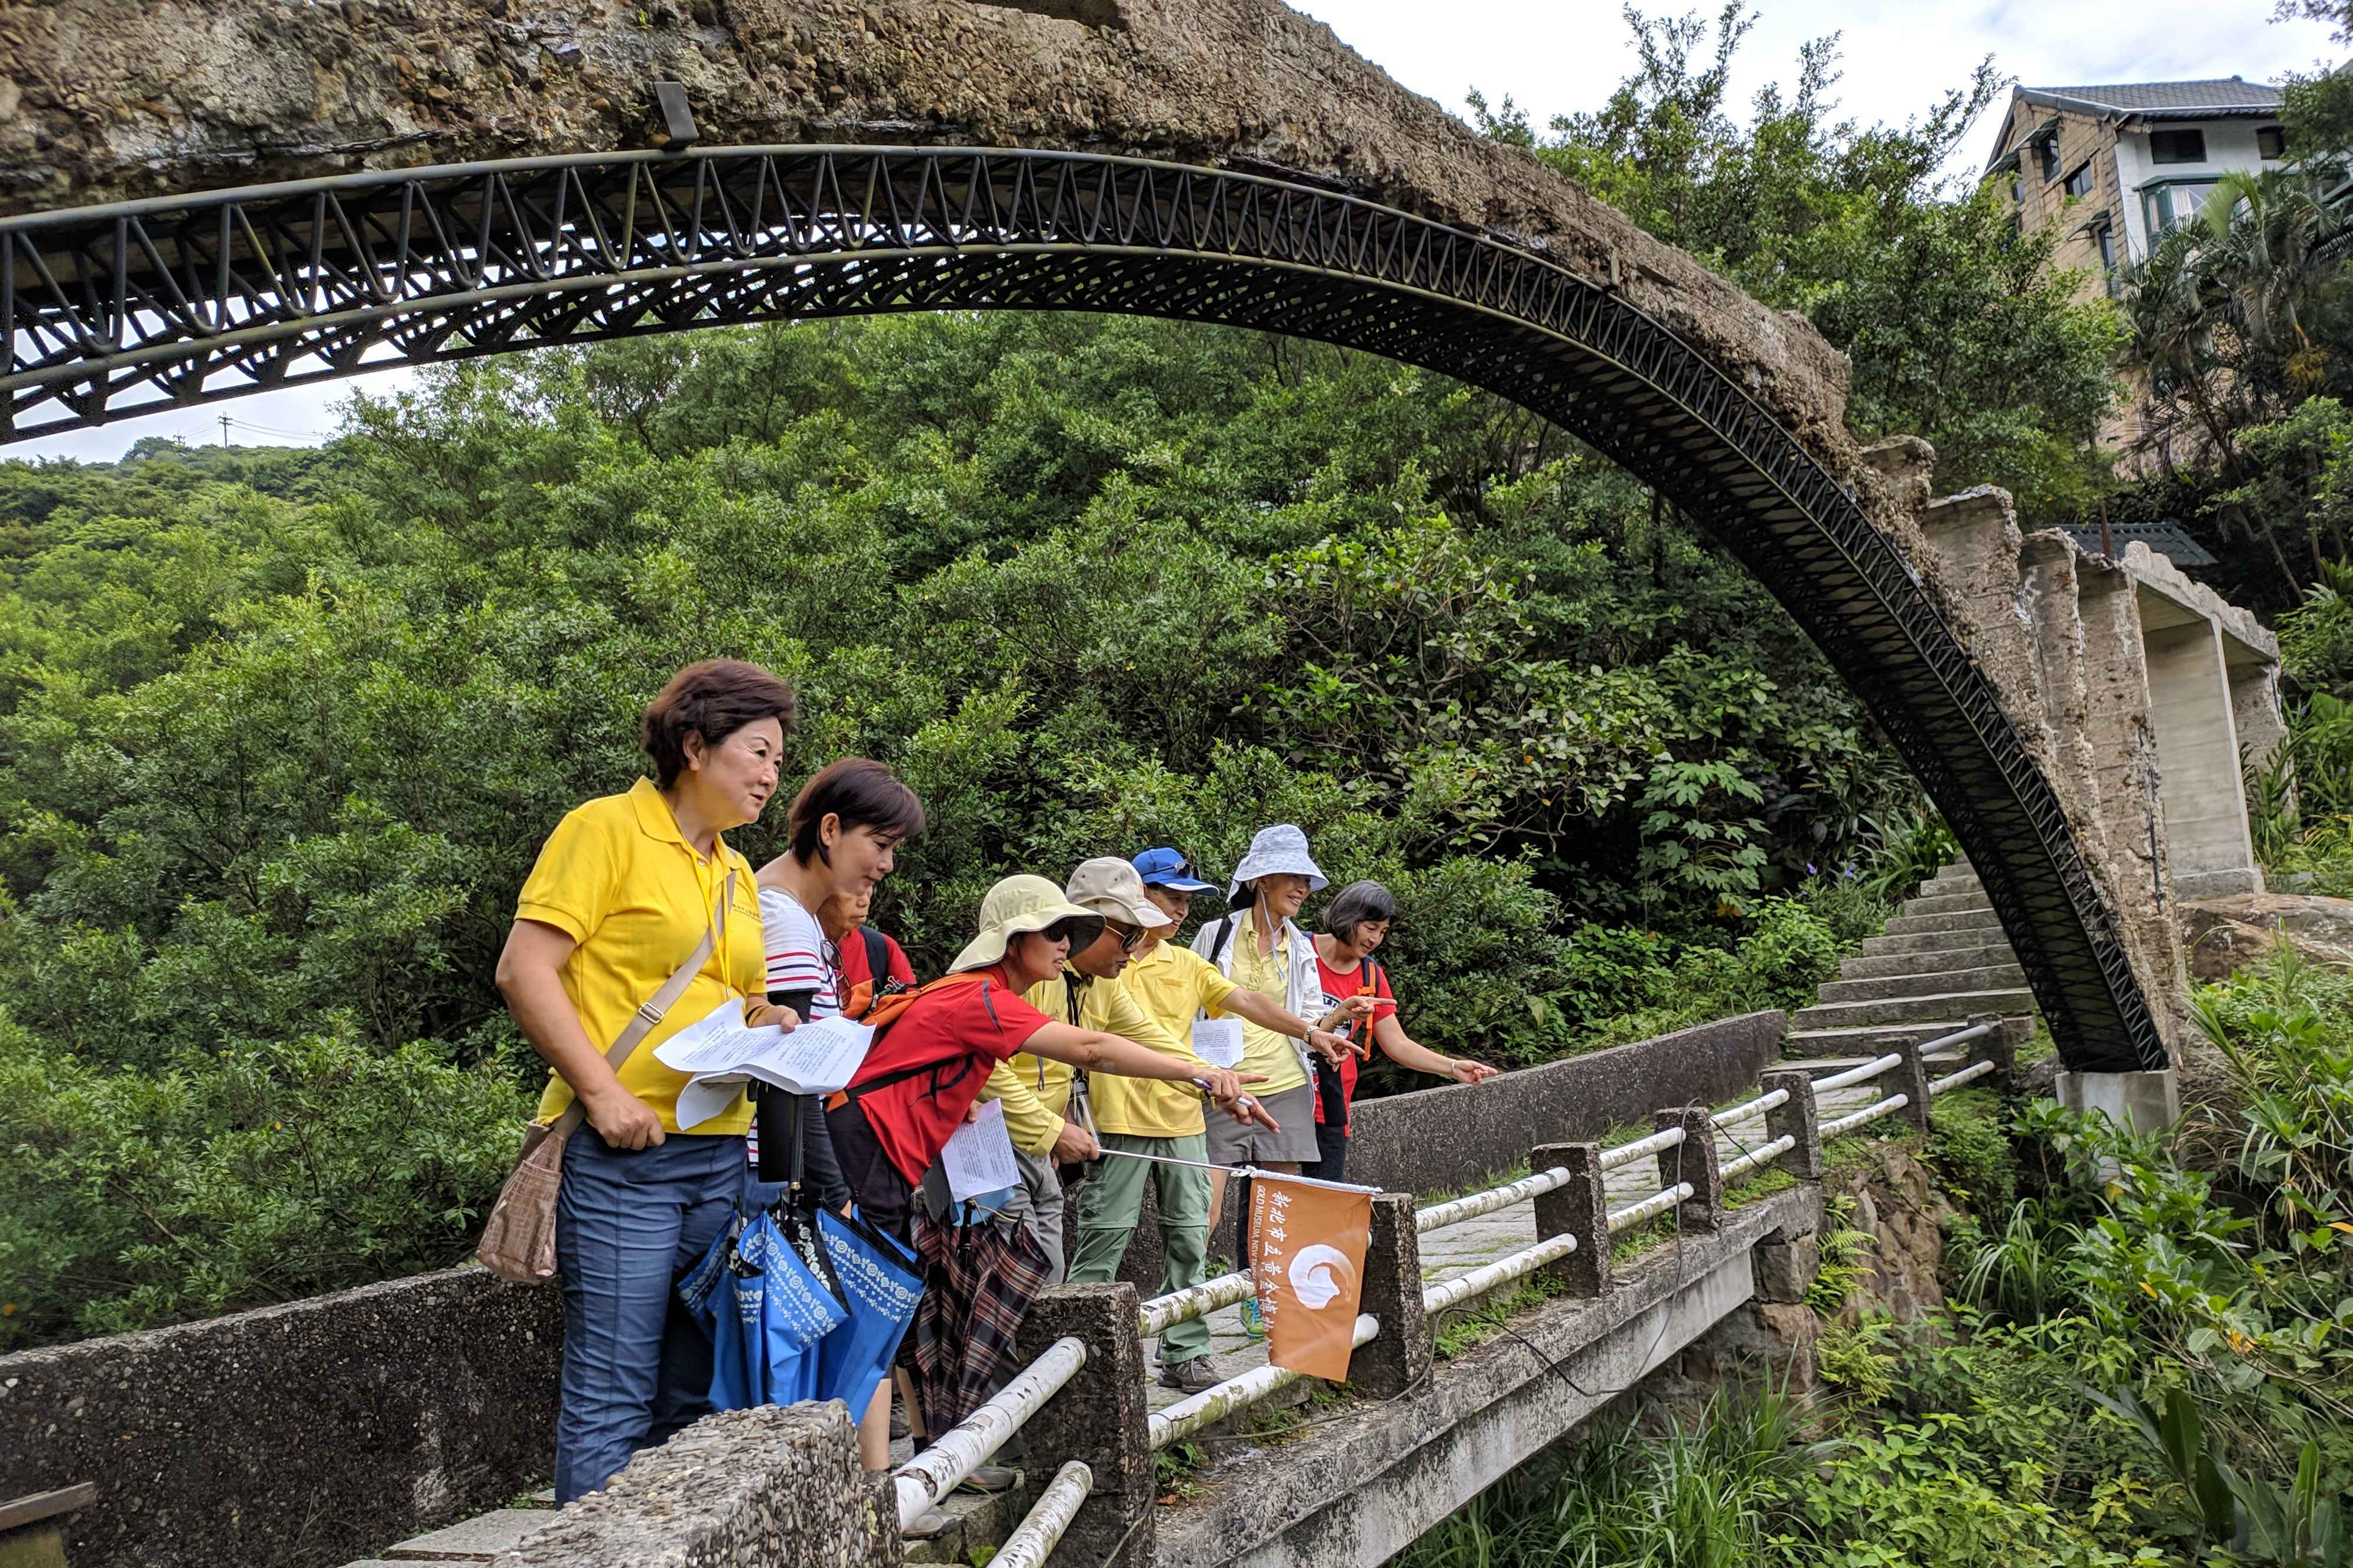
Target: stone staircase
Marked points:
1942	961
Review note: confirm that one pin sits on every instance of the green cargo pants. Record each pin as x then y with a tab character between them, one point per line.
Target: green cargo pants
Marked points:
1109	1205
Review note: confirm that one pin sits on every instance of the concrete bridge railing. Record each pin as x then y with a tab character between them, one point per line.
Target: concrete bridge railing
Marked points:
1089	1441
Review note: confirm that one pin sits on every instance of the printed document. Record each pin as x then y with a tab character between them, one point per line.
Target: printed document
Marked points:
979	1158
1218	1041
718	1052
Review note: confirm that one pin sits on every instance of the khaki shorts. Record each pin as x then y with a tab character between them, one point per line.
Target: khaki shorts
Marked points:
1231	1144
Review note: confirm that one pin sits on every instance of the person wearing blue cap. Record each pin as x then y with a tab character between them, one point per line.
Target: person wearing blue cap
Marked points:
1163	1122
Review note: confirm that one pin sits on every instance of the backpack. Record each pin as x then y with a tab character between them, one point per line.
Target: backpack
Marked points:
887	1010
880	983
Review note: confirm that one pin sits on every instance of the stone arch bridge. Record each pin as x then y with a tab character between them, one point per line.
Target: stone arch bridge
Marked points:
203	198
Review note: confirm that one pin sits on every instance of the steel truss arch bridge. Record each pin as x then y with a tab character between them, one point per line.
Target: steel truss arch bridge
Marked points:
109	311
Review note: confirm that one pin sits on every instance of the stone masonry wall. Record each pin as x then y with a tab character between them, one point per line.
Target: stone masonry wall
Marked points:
306	1434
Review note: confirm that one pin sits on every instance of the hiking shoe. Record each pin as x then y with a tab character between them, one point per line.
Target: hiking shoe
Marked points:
1254	1320
986	1479
1191	1376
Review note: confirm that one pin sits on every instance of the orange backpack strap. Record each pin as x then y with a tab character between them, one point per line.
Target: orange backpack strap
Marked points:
886	1012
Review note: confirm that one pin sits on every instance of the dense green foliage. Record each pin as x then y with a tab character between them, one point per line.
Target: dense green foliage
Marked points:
1959	329
2145	1362
279	734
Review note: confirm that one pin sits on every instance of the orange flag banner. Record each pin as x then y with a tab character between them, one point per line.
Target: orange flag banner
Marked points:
1307	1254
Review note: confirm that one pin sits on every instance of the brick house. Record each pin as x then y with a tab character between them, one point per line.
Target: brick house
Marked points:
2119	165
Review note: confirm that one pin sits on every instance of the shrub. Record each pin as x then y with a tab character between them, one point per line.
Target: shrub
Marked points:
260	1173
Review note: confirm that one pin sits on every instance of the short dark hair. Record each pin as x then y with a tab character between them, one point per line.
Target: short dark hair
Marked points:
1356	904
713	699
862	792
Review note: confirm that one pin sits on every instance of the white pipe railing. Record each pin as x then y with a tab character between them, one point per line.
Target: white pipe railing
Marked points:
1034	1539
1164	1313
1863	1117
1853	1076
1627	1154
1187	1417
1967	1075
1751	1109
1650	1207
1455	1211
921	1481
1503	1270
1764	1155
1958	1038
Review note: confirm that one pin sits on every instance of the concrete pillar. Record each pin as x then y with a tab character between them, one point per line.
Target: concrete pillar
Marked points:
772	1486
1400	1356
1798	1119
1908	1077
2047	564
1693	1160
2198	757
2136	1101
1098	1417
1972	543
2255	704
2124	746
1579	1207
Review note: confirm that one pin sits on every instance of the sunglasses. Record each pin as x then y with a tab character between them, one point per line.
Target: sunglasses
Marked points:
1128	935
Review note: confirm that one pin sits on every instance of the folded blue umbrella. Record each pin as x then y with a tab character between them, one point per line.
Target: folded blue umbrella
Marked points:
765	1310
786	1311
707	1291
881	1282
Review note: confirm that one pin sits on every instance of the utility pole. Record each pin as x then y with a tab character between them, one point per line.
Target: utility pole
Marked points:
224	419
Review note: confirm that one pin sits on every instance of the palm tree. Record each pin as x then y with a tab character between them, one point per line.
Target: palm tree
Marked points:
2273	246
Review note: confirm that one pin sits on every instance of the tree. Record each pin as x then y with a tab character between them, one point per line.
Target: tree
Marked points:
1959	328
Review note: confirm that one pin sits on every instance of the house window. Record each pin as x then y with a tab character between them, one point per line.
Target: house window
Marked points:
2169	206
2271	143
2107	242
2079	184
2046	153
2177	146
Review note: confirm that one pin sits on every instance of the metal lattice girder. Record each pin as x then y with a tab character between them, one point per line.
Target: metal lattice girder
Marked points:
185	300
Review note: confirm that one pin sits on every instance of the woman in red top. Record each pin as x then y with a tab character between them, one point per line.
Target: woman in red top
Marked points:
1355	924
929	1060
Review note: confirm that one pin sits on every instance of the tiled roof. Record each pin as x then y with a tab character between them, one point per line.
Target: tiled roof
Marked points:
2170	540
2142	97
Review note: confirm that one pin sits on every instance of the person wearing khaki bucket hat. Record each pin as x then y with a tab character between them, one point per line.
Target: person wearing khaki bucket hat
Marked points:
932	1055
1047	1110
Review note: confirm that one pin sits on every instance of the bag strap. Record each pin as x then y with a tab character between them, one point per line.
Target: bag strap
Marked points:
878	956
650	1011
1225	939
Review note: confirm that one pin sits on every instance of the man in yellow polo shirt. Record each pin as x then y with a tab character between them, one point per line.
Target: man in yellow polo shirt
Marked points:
1171	984
1040	1118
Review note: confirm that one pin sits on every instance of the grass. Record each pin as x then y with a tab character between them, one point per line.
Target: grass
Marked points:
1493	1179
1474	1323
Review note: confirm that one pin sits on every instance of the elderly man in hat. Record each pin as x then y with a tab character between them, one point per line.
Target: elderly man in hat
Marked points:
1046	1111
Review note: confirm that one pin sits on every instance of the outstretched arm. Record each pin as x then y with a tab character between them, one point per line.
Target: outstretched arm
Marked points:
1260	1010
1404	1051
1108	1053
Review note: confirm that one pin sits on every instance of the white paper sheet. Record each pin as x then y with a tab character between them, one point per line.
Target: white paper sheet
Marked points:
718	1052
979	1158
1218	1041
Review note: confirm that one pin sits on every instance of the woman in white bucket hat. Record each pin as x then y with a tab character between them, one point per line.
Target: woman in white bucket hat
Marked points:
1261	950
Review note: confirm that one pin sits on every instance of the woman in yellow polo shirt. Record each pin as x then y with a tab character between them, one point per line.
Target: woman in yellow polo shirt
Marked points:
626	890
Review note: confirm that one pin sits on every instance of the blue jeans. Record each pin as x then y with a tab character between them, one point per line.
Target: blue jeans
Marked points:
629	1224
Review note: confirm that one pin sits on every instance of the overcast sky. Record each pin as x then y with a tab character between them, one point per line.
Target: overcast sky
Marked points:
1560	55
